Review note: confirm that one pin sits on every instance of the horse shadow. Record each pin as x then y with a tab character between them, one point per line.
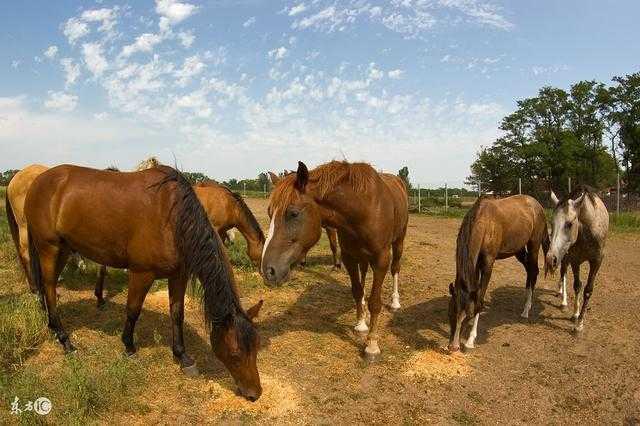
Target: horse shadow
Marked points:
153	329
426	325
317	309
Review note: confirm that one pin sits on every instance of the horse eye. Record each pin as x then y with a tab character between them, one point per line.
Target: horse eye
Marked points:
293	213
568	225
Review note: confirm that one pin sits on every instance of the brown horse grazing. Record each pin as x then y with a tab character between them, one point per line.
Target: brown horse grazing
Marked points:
580	228
14	202
226	209
370	212
151	223
332	233
491	230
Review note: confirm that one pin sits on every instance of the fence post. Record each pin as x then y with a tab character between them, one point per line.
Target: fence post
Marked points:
419	200
264	189
244	189
520	186
479	190
618	193
569	184
446	198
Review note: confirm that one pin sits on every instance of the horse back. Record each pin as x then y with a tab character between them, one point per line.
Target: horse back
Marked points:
116	219
217	202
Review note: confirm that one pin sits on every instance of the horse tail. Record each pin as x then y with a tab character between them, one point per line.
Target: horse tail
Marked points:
467	253
36	271
202	255
15	233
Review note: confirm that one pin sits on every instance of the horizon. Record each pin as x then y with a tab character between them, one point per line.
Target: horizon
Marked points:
233	89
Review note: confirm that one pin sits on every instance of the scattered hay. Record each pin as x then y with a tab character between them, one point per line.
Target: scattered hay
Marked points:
437	364
278	399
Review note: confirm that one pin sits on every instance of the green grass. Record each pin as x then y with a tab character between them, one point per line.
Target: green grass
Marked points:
625	222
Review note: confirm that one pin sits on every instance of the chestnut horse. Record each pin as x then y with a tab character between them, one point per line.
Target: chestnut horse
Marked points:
151	223
492	230
225	210
369	211
580	227
332	233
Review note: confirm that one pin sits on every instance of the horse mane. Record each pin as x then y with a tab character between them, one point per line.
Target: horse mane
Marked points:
149	163
202	255
465	260
361	177
577	192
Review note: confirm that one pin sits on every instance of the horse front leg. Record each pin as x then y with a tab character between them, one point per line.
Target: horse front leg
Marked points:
380	267
594	266
357	290
177	287
139	284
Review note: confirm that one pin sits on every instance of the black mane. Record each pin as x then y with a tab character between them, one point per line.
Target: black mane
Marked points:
202	255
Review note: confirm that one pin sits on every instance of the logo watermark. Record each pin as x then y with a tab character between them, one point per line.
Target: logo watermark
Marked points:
41	406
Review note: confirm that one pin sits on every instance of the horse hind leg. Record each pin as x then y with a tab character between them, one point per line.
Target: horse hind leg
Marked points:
99	292
139	284
533	270
396	249
485	277
52	260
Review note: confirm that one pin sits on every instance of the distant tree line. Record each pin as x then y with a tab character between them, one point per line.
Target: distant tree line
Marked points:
587	134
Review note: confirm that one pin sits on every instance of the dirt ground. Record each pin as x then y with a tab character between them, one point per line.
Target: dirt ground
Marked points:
533	371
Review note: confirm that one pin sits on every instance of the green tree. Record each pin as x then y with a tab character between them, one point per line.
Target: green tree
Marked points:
403	174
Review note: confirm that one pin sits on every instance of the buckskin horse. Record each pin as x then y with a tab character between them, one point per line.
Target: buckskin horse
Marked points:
493	229
151	223
580	227
332	234
369	211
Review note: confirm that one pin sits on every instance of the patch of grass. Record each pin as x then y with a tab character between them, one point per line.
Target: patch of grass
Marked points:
237	252
625	222
451	212
22	328
463	417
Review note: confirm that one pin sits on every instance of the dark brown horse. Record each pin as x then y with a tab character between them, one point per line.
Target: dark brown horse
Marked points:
492	230
332	233
225	210
368	209
151	223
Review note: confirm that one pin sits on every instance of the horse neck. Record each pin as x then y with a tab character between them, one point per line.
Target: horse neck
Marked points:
337	208
253	236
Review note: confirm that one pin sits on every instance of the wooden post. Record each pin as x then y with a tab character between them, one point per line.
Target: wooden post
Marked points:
618	193
446	198
264	189
244	189
520	186
419	200
569	184
479	190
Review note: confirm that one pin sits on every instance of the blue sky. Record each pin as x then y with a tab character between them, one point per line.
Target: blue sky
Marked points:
233	88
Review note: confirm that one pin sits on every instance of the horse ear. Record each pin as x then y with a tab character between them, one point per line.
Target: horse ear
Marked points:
554	199
252	312
577	203
302	176
274	178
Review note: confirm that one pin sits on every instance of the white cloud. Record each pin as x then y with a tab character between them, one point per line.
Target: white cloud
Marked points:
375	73
15	63
144	43
61	101
94	59
71	71
106	16
278	54
540	70
51	52
297	9
396	74
173	12
186	38
249	22
74	29
192	66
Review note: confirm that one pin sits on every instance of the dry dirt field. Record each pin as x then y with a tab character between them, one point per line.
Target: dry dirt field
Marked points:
521	372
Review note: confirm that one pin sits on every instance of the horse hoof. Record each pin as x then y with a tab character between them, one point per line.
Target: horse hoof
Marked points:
101	304
69	349
468	348
564	308
453	349
190	371
371	357
129	353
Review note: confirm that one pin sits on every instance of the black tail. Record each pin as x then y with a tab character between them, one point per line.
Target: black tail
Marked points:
202	255
466	256
36	271
15	234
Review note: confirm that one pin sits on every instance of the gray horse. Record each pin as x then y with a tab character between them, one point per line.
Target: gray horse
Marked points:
580	227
